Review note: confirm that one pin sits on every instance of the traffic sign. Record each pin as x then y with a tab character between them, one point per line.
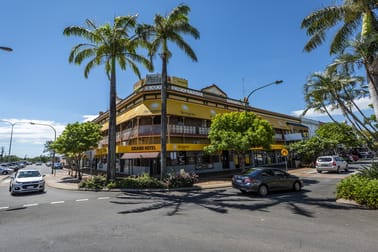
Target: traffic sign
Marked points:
284	152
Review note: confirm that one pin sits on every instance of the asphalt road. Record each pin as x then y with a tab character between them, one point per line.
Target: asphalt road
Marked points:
210	220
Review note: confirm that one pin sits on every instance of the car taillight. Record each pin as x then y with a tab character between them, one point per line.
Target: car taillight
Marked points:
334	163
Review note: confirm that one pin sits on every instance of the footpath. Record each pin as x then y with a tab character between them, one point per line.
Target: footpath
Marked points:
62	180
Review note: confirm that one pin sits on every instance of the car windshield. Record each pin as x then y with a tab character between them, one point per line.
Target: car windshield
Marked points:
28	174
324	159
252	172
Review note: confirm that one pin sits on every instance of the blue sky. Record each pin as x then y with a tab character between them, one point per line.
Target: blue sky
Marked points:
244	44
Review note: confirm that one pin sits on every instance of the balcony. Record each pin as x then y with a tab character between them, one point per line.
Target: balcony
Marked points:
154	130
293	137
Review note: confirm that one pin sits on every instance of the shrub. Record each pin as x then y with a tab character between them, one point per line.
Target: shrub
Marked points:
370	171
140	182
96	182
359	188
181	179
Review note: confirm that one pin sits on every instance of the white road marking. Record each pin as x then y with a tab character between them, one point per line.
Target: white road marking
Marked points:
56	202
103	198
5	207
29	205
79	200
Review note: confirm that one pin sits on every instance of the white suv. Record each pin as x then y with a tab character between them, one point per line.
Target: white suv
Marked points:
331	163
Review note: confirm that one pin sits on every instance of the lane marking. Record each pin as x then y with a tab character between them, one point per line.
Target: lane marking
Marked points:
103	198
29	205
79	200
6	207
56	202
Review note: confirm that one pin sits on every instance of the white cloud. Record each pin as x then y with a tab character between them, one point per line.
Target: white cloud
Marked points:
27	139
362	103
88	118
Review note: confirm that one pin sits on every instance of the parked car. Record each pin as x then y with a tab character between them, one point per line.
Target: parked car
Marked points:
5	170
27	180
58	165
265	180
331	163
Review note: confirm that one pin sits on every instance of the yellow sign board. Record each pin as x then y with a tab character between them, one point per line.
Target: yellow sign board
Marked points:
284	152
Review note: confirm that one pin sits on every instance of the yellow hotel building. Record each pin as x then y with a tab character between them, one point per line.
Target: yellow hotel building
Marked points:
189	115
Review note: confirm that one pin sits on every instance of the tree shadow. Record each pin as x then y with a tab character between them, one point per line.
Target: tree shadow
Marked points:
222	201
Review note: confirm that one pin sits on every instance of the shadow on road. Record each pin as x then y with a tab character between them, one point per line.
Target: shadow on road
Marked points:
222	201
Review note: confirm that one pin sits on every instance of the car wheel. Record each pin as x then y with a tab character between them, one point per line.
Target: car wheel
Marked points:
297	186
263	190
338	170
319	171
243	191
4	173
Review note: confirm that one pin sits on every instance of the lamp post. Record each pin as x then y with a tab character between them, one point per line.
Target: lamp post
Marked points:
254	90
53	153
11	137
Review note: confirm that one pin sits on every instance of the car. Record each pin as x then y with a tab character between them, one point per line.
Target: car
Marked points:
5	170
38	163
331	164
58	165
265	180
27	180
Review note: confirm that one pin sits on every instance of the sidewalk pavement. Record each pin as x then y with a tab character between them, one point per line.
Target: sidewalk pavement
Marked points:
62	180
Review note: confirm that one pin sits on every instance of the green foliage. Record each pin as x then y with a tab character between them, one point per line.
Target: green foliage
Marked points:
178	180
96	182
370	171
140	182
181	179
308	150
77	138
239	131
360	189
340	133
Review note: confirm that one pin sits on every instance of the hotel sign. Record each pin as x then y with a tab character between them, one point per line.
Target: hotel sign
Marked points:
153	79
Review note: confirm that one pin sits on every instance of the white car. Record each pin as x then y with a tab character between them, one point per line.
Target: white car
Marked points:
331	163
27	180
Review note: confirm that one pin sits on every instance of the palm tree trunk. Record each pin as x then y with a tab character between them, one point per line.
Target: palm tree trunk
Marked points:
112	127
163	124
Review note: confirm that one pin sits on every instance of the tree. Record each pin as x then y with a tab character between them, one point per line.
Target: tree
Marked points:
309	150
341	133
349	15
76	139
109	45
337	90
239	131
165	29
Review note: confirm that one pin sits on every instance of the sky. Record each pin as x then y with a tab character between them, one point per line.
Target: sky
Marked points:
244	44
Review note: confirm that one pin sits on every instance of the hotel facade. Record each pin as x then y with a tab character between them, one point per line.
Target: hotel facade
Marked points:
189	115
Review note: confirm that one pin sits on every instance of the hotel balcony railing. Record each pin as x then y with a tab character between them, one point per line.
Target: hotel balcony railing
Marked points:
154	130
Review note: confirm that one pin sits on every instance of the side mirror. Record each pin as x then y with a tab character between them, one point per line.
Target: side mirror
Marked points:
44	175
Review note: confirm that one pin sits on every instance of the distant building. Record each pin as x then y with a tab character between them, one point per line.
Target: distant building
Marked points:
189	115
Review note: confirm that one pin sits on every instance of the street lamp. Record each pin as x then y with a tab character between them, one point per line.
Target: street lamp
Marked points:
11	136
264	86
6	48
53	153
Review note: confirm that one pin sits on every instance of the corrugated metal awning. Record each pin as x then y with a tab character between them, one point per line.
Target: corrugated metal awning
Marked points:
137	155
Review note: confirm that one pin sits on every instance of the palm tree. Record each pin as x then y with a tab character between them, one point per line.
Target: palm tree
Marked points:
354	16
165	29
109	45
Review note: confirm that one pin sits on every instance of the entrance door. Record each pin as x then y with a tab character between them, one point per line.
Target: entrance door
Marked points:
225	160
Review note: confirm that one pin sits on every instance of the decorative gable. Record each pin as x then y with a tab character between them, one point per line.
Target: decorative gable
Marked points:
214	90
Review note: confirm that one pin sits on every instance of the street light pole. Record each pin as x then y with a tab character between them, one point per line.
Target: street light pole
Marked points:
53	153
254	90
11	137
